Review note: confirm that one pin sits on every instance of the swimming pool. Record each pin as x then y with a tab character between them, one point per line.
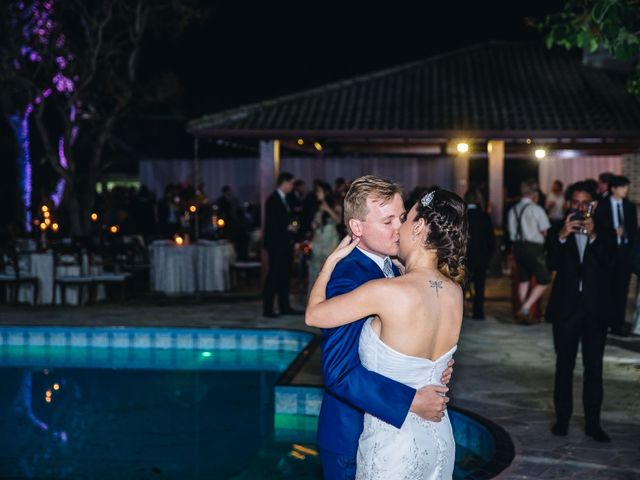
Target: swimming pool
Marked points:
165	403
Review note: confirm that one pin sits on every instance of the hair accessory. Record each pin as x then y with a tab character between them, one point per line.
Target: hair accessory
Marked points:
427	199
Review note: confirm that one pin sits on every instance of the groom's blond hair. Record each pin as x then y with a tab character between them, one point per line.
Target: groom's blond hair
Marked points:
376	188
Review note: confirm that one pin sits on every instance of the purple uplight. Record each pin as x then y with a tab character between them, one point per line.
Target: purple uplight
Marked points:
61	156
56	196
63	83
20	126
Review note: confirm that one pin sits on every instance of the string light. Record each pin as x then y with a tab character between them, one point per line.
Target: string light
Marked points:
462	147
94	216
193	209
540	153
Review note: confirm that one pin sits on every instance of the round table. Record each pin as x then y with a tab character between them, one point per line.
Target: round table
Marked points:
187	269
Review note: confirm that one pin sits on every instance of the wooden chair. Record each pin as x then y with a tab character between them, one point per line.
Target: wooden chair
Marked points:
68	256
12	276
109	261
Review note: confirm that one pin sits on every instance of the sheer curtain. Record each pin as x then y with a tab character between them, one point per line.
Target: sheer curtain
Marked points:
241	173
570	170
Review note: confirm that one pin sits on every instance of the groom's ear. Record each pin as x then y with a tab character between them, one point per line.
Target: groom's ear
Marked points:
355	226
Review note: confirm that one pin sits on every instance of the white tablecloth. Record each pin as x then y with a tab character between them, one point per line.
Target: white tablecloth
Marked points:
41	265
201	267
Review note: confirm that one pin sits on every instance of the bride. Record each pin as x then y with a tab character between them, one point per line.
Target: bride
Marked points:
411	336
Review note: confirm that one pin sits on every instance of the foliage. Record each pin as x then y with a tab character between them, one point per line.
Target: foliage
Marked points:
592	24
73	65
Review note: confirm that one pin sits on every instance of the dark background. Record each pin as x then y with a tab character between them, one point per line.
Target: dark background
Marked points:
242	52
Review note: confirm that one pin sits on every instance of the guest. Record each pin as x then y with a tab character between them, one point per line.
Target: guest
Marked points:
325	232
616	216
528	225
278	241
554	206
168	211
479	249
555	203
577	307
295	199
603	184
635	268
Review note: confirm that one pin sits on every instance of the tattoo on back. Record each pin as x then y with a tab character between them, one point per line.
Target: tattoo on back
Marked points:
437	284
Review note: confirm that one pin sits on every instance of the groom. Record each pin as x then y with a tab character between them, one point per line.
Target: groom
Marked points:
373	209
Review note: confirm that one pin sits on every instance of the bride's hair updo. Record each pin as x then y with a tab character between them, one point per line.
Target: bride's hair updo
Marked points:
445	215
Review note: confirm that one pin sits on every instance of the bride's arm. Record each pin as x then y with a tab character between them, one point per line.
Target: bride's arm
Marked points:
363	301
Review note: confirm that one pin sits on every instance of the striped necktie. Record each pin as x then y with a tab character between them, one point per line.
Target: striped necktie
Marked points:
387	269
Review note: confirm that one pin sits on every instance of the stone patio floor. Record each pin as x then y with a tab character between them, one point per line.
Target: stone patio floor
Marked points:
503	372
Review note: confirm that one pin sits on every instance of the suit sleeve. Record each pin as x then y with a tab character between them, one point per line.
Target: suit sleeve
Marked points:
349	380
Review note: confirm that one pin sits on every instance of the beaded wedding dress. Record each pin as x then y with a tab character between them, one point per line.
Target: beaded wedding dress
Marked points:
420	450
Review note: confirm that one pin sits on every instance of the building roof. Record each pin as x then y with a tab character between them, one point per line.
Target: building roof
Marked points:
496	89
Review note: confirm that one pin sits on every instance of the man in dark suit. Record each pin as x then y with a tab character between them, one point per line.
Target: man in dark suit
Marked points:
616	217
479	249
577	310
278	241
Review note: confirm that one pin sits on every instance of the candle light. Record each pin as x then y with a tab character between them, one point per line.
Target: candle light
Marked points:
114	229
178	239
94	216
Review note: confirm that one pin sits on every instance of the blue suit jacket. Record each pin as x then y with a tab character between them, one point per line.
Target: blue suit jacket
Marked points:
350	389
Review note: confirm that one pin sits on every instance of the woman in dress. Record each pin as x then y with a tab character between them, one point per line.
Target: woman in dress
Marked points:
325	232
412	335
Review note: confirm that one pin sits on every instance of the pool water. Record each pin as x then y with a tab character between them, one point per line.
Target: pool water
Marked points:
152	413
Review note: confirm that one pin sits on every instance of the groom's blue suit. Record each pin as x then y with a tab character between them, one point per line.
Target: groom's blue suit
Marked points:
350	389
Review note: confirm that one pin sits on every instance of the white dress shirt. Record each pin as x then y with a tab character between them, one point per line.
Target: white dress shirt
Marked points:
534	221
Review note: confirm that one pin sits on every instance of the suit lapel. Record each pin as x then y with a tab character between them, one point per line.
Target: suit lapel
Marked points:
369	265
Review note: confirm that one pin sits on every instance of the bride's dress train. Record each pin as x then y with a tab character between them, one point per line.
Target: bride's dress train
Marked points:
419	450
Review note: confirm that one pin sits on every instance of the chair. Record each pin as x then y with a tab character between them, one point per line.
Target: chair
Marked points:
106	268
13	276
243	267
68	257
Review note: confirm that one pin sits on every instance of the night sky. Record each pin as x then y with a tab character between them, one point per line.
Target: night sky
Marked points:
250	51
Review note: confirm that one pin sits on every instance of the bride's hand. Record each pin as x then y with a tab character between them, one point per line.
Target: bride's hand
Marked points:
344	248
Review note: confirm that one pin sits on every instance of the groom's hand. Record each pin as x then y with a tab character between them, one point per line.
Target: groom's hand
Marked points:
430	402
446	375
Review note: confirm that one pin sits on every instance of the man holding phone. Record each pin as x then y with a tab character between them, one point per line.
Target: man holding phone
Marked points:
577	310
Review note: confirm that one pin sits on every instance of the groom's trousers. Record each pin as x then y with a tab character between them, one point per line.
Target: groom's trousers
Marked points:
337	467
581	327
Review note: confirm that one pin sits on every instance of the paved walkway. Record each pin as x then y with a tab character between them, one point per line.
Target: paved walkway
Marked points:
503	372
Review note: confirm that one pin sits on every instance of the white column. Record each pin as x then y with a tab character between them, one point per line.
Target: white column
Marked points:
495	150
268	171
461	173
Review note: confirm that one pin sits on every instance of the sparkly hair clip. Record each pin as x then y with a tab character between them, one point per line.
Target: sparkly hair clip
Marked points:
427	199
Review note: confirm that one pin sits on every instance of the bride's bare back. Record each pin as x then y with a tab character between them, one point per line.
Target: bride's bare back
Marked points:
423	314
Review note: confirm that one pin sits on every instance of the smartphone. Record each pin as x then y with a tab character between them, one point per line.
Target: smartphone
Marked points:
577	214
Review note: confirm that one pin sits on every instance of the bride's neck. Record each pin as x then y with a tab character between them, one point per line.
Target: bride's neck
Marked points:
421	259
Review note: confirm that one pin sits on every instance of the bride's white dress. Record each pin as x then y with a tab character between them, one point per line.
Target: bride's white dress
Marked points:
420	449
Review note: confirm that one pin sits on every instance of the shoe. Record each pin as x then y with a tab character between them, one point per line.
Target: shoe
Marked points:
598	434
619	332
291	311
560	430
270	314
